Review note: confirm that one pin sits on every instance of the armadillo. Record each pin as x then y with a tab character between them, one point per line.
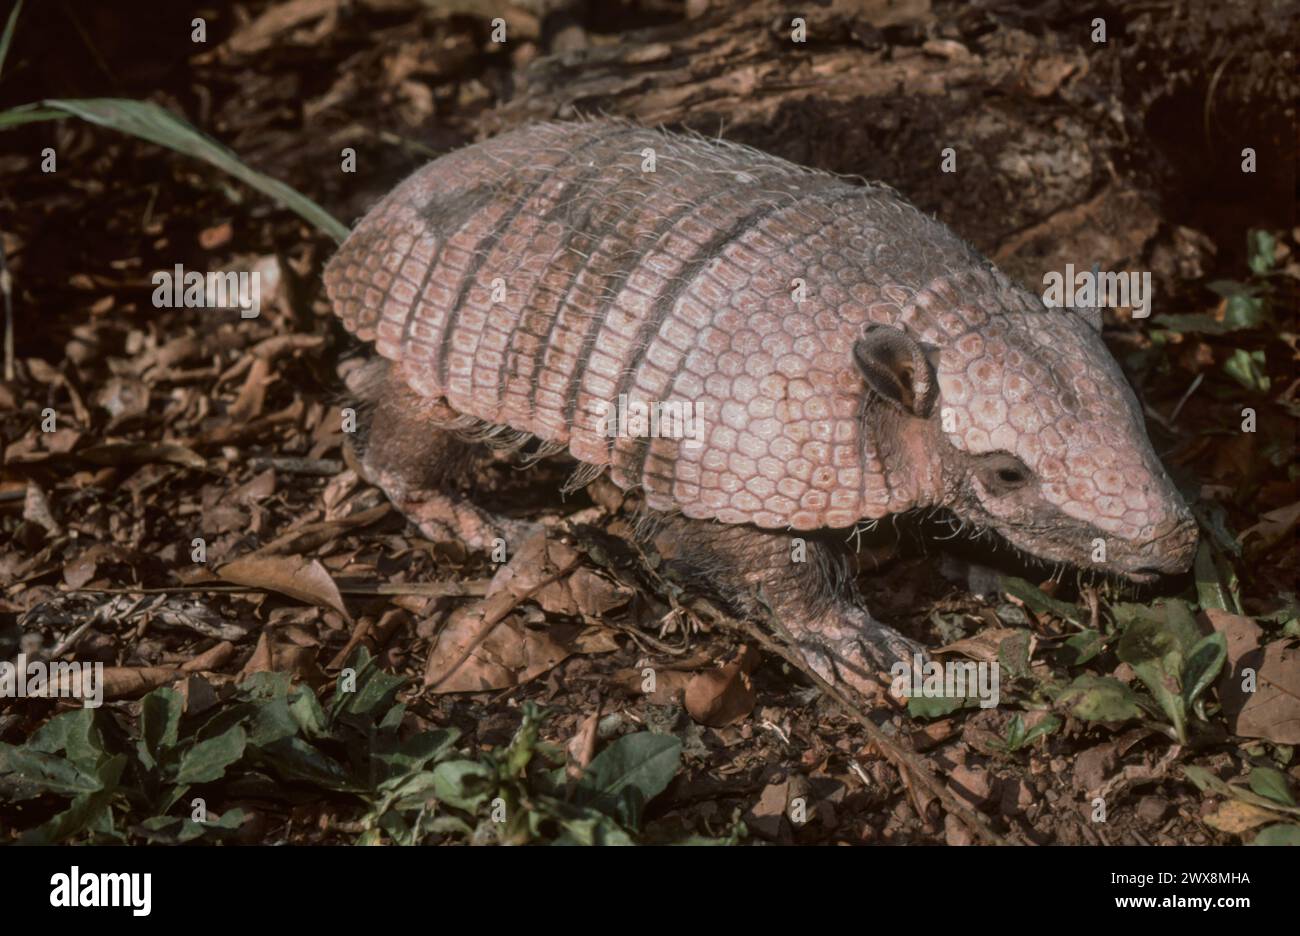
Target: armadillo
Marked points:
849	356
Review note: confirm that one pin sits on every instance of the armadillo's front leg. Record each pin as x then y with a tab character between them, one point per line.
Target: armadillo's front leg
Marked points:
804	581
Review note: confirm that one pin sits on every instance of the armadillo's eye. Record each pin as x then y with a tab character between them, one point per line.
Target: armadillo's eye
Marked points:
1001	473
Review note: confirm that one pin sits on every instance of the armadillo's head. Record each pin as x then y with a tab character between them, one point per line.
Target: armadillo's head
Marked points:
1040	436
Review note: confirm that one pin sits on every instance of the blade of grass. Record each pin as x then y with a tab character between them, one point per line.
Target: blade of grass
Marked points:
27	113
151	122
148	121
9	33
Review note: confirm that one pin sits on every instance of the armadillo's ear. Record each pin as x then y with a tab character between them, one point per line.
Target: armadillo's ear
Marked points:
898	368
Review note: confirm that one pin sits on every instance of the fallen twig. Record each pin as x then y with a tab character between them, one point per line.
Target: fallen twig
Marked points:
473	588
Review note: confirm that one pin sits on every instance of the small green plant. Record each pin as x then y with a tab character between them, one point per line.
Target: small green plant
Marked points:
1266	797
1018	737
273	740
1171	658
522	794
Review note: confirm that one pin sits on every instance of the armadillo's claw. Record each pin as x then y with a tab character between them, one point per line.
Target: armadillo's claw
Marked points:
855	649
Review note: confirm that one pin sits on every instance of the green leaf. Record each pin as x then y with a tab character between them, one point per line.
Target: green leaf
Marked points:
1215	580
1283	833
1080	648
1203	665
160	720
523	744
411	791
148	121
177	830
1153	650
1044	727
1013	653
463	784
1261	247
307	713
1100	698
593	828
76	734
86	810
642	762
207	760
267	686
933	706
273	722
1248	368
1208	782
25	774
295	759
1271	782
373	693
28	113
1015	733
1040	603
411	755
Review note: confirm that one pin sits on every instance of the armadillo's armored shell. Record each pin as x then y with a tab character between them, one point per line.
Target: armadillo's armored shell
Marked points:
537	277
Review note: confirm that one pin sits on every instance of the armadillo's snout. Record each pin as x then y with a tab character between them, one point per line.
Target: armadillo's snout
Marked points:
1169	551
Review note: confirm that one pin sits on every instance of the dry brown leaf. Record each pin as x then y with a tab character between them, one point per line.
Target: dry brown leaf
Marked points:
210	238
1271	529
669	684
124	682
767	816
983	646
273	655
210	659
510	655
537	560
197	694
596	595
140	453
124	399
296	576
252	395
82	569
1272	711
583	593
269	28
582	746
313	535
1236	817
36	509
720	696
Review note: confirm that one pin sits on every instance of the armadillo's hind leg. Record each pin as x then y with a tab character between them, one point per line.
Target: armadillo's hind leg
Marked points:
407	451
805	581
